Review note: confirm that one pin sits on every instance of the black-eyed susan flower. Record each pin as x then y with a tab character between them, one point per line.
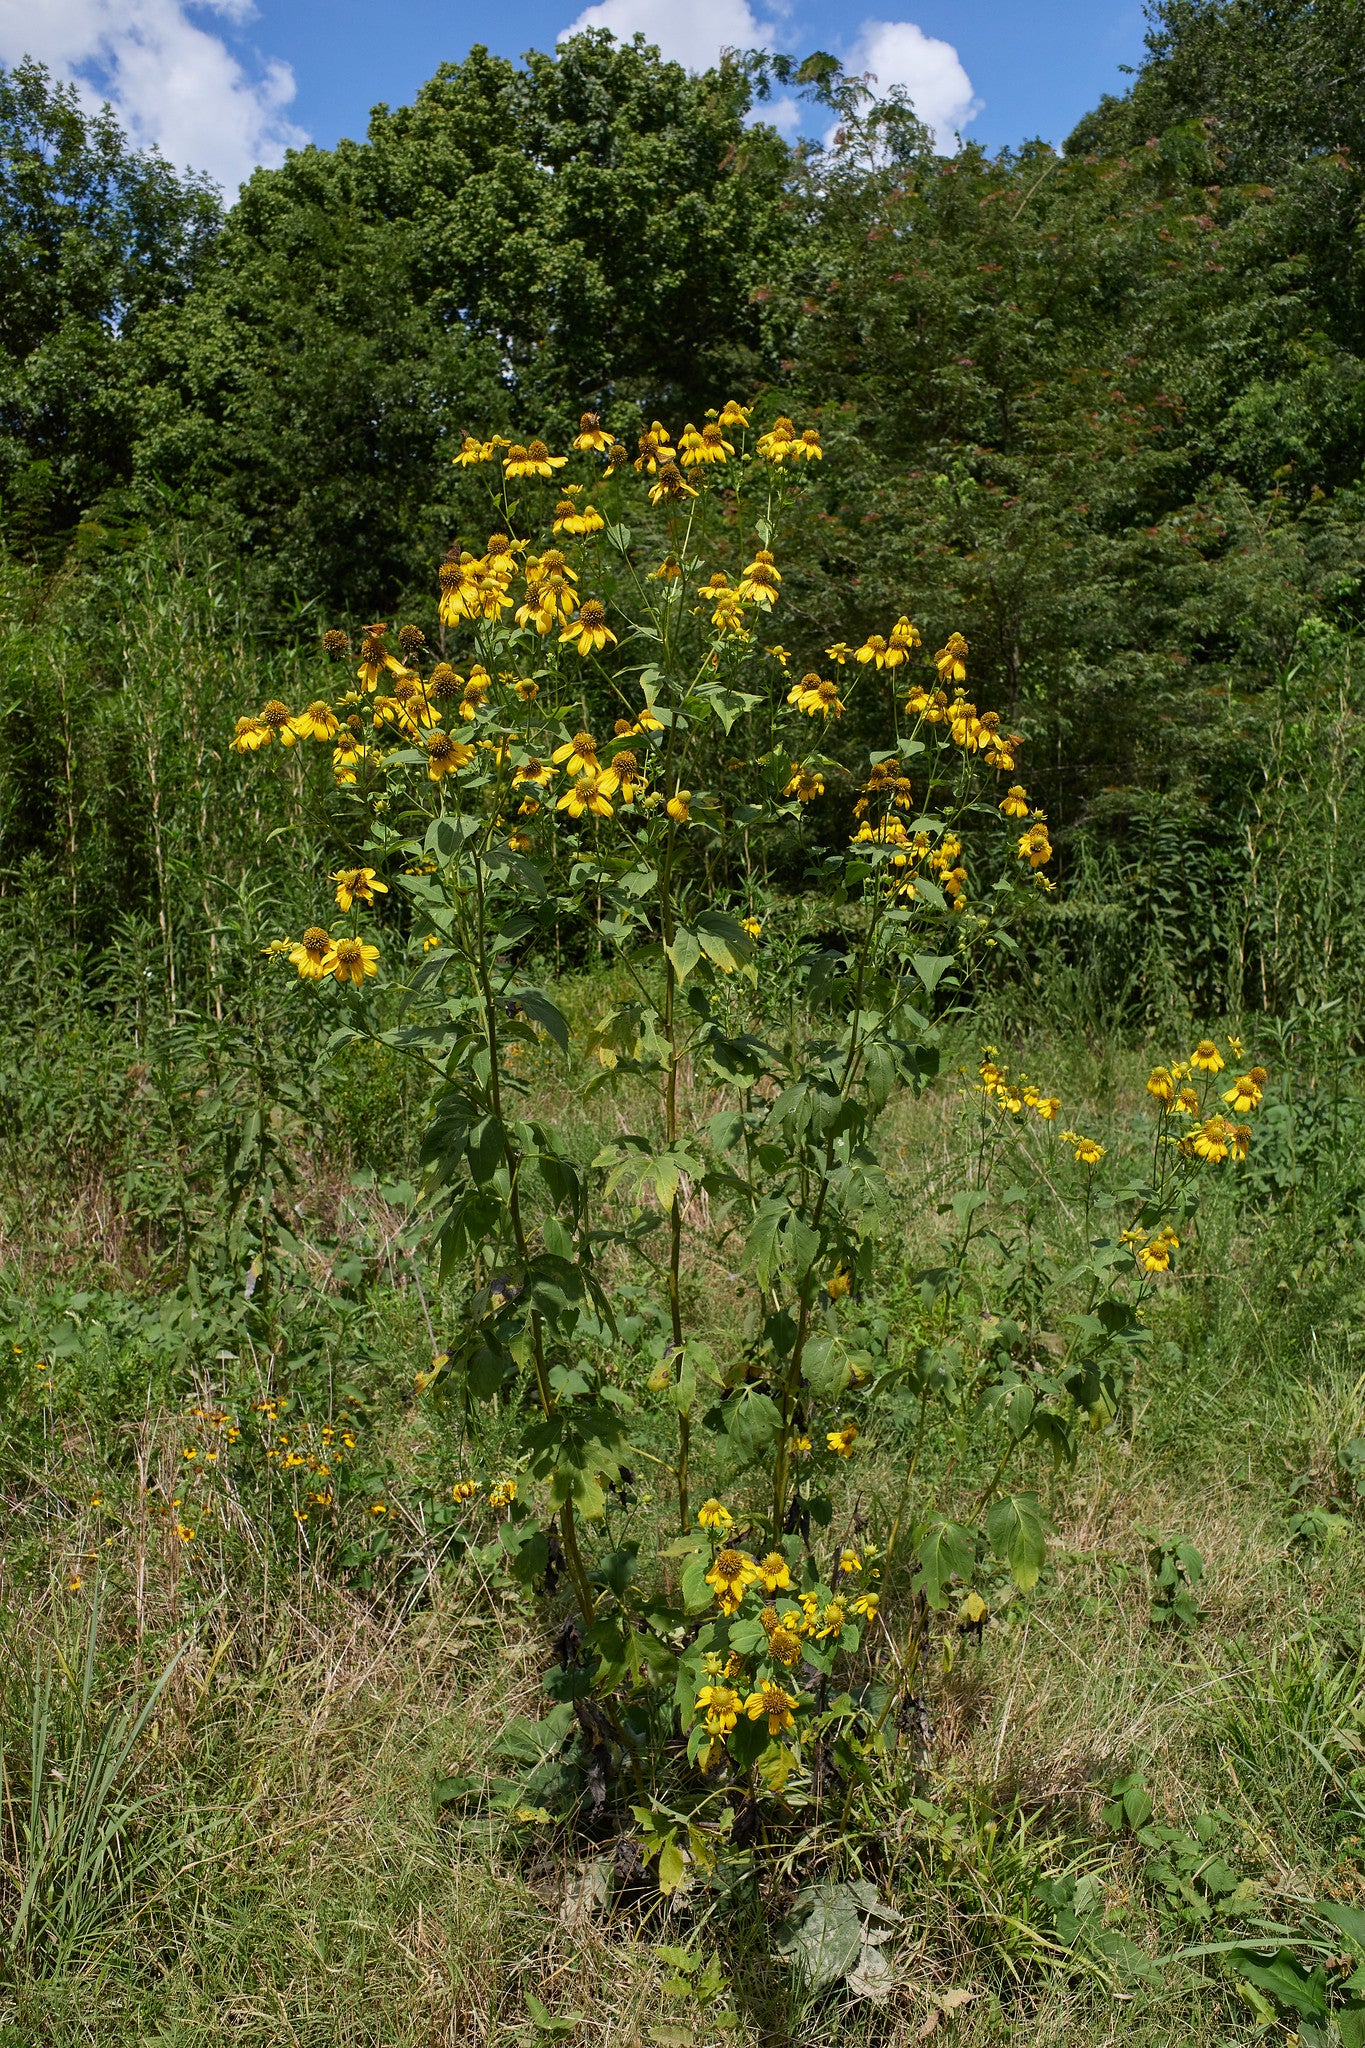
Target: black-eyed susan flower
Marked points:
589	632
771	1703
310	954
732	1573
591	438
357	885
586	794
534	773
446	755
670	487
1206	1058
351	960
712	1515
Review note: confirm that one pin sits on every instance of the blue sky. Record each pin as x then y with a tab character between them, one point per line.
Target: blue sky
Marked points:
226	84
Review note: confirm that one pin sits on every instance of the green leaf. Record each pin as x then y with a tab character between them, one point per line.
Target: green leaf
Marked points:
822	1935
726	942
1285	1979
947	1550
672	1868
546	2021
684	952
1014	1528
542	1011
931	968
752	1421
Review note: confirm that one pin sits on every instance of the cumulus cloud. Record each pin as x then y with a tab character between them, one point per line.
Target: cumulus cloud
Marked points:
174	85
691	32
932	73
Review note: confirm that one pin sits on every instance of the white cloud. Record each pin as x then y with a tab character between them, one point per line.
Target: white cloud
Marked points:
691	32
172	84
899	53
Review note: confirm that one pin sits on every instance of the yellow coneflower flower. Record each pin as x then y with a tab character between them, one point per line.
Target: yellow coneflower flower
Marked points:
816	697
761	580
1015	802
589	631
671	486
872	649
1245	1092
577	756
720	1705
806	447
1087	1151
1205	1058
1239	1141
623	773
773	1574
710	445
590	438
732	414
249	735
839	653
445	756
1047	1107
569	518
951	660
1161	1085
351	960
358	885
310	954
772	1704
655	448
274	717
374	656
533	460
1155	1256
866	1605
348	755
1035	847
536	773
473	450
318	722
730	1575
1213	1140
712	1515
679	806
585	795
776	445
841	1441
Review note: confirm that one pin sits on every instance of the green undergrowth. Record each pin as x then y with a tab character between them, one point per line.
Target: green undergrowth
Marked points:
234	1742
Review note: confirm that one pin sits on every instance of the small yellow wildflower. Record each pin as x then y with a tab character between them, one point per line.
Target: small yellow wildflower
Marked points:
841	1441
357	885
721	1706
351	960
732	1572
775	1705
773	1575
1087	1151
310	954
712	1515
1015	803
1206	1058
